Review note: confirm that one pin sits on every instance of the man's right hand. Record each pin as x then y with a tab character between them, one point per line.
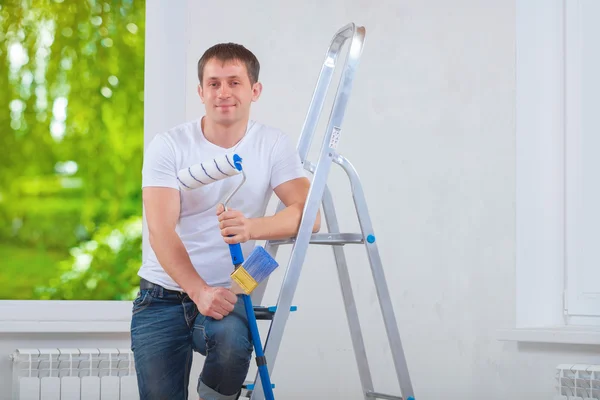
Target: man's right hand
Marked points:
215	302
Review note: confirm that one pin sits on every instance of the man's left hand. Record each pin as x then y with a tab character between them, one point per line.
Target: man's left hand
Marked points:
235	227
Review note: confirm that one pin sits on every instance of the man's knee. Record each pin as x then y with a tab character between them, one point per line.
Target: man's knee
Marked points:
228	349
230	342
227	339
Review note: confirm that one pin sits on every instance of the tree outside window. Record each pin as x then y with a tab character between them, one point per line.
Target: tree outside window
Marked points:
71	140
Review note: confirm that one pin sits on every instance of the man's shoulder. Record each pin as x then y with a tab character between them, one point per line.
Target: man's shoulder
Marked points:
266	132
181	131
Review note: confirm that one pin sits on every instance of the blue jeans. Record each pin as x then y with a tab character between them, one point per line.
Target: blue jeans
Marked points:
166	328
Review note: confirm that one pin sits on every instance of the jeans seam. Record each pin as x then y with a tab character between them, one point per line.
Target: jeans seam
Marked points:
190	321
187	371
206	339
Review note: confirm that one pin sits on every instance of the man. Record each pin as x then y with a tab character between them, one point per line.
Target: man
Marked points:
184	303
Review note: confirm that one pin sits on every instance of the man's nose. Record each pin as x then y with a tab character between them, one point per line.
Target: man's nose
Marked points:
224	91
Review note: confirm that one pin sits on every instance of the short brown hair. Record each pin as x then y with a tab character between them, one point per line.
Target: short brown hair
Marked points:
230	52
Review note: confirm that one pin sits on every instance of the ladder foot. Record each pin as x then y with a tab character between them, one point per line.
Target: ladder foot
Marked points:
375	395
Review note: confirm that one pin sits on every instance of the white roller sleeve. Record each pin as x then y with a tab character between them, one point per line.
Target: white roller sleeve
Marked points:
208	172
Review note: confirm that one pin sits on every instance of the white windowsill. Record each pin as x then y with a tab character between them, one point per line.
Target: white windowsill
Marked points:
64	327
55	316
584	335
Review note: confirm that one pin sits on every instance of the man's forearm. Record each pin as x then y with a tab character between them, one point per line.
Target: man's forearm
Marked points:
173	257
282	225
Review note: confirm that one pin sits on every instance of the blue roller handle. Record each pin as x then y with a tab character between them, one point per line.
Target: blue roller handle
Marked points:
237	257
262	368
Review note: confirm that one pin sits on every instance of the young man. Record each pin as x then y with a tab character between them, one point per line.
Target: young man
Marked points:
185	303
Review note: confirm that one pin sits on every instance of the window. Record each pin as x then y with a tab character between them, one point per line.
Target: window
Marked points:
556	289
83	92
582	141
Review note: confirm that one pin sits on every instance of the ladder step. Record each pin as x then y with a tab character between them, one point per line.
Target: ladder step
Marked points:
375	395
250	386
266	313
247	388
328	239
246	393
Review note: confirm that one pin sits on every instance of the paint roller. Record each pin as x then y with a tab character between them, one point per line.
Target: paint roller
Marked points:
205	173
246	275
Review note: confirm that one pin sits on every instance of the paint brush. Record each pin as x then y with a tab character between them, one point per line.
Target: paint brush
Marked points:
248	275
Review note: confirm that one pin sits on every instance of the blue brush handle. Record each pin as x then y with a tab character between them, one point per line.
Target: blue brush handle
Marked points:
237	257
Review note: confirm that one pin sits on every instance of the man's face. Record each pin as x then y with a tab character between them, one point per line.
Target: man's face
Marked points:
226	91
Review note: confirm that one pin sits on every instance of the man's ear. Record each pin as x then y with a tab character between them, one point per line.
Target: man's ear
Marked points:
256	91
201	93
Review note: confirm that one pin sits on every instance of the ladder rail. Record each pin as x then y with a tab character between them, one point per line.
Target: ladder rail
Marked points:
272	246
315	194
383	293
292	273
322	87
349	31
356	336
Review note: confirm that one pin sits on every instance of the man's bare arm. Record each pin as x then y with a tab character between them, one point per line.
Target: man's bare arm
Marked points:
286	222
283	224
162	213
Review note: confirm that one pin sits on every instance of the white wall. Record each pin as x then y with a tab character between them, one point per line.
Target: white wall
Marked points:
432	116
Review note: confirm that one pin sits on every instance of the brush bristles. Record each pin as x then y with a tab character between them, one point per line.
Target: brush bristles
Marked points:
260	264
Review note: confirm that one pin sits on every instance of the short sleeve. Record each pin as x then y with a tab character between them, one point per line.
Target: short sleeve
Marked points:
159	167
286	163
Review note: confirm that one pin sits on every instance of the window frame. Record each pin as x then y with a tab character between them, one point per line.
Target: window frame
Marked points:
540	224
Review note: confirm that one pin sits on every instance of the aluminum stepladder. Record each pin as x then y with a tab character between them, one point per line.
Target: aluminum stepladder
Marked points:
319	193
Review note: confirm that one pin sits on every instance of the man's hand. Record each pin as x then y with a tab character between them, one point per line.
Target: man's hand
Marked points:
215	302
235	227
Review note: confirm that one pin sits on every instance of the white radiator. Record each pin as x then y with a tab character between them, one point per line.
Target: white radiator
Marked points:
578	382
74	374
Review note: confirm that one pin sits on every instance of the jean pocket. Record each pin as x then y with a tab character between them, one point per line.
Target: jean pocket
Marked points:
142	300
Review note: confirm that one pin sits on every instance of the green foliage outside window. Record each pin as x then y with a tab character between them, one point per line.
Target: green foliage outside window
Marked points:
71	148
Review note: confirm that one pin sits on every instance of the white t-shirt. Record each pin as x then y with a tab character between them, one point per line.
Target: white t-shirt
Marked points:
269	158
